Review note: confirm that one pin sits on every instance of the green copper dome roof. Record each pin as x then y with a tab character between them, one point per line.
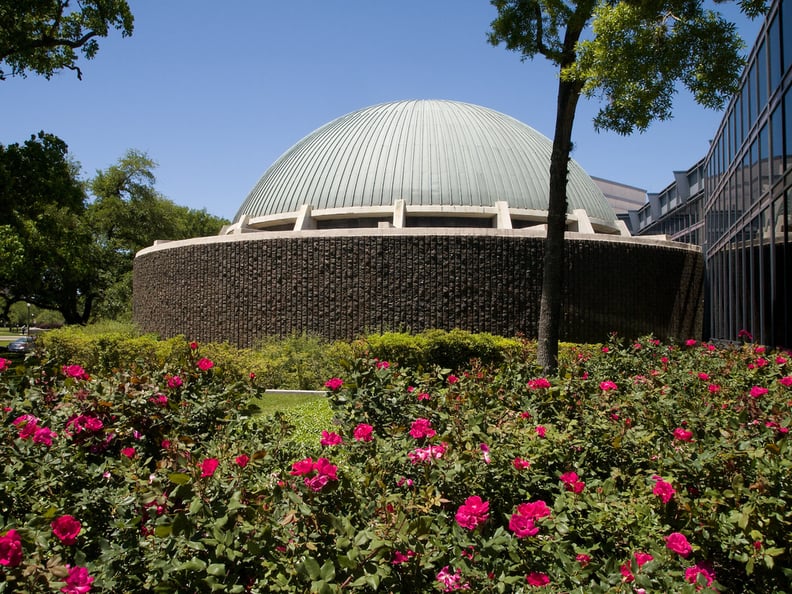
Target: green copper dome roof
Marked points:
426	152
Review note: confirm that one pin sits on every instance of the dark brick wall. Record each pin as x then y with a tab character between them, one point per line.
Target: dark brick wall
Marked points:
341	286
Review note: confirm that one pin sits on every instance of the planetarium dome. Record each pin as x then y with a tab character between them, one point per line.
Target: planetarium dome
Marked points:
422	163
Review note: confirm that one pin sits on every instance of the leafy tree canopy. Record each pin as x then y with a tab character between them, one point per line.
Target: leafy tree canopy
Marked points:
129	214
43	36
631	54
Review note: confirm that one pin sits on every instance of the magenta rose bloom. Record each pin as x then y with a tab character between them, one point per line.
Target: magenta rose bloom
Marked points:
422	428
78	581
534	509
205	364
538	384
209	466
703	569
537	579
334	383
242	460
664	490
331	439
66	528
522	526
363	432
10	549
678	543
683	434
472	513
303	467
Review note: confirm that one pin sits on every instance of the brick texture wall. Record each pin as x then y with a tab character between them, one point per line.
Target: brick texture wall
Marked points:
342	286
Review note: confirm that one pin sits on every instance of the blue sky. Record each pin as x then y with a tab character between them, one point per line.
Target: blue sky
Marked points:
215	95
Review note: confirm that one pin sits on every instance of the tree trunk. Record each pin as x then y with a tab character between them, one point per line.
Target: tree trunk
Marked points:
553	275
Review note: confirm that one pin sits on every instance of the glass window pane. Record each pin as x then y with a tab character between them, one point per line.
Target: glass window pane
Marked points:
777	148
761	78
786	21
774	43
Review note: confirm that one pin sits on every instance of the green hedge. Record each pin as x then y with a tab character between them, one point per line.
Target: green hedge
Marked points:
294	362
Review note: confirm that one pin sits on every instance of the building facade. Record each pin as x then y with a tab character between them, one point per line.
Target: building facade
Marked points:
737	202
749	196
414	215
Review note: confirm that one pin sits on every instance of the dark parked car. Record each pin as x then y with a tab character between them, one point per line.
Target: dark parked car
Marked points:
21	345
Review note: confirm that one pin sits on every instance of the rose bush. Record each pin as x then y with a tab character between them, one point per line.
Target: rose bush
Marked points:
644	467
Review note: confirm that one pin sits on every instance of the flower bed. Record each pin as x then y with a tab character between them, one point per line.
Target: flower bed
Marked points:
644	467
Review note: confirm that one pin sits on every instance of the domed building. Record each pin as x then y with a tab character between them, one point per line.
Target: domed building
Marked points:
413	215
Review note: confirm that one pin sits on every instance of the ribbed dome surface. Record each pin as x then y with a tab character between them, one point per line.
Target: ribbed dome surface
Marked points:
428	153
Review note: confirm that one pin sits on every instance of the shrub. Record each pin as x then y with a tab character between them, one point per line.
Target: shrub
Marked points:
445	349
643	466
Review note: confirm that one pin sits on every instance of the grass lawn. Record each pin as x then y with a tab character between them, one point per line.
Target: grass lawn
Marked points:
309	413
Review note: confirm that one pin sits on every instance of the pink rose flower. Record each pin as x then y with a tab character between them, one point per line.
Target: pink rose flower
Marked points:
522	526
324	467
128	452
538	383
520	463
4	364
642	559
678	543
683	434
703	569
363	432
78	581
583	559
472	513
74	371
537	579
571	482
193	345
451	581
534	509
205	364
627	574
485	453
452	379
331	439
382	365
541	430
608	385
399	557
422	428
303	467
664	490
423	396
10	549
786	381
159	400
209	466
427	454
242	460
758	391
334	383
174	382
44	435
66	528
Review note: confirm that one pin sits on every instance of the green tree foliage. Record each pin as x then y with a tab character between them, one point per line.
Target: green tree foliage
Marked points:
632	54
65	253
53	264
129	214
43	36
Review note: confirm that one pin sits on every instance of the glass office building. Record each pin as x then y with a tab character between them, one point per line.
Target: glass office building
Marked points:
748	197
737	202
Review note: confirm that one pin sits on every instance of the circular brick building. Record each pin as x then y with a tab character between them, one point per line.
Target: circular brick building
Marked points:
413	215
